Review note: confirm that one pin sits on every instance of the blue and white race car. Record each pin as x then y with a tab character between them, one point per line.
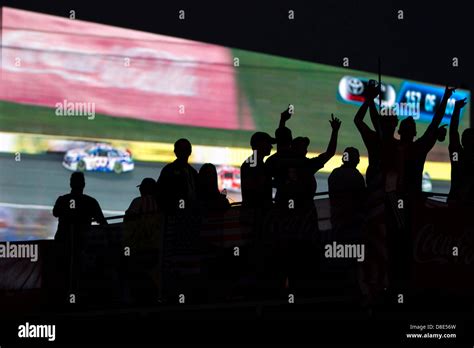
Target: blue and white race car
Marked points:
98	158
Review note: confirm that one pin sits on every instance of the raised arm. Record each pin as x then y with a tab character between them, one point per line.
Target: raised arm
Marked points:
285	116
331	149
454	139
370	93
375	118
439	114
428	139
359	117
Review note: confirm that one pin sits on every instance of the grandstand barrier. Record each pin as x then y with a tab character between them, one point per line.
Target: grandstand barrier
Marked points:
438	230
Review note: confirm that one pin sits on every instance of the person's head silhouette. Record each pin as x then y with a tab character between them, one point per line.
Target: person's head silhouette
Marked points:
77	182
207	179
262	143
407	129
299	146
351	157
182	149
467	141
388	124
284	138
147	187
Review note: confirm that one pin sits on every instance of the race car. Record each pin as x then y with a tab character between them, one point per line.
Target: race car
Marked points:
228	178
98	158
426	184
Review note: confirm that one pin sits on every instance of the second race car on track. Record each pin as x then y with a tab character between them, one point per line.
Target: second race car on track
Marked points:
228	178
98	158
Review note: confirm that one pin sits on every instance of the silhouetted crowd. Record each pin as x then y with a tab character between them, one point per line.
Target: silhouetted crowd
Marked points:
285	251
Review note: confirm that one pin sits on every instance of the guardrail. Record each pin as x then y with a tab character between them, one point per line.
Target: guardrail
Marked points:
318	195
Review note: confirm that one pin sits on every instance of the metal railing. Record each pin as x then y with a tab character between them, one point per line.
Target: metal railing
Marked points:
317	195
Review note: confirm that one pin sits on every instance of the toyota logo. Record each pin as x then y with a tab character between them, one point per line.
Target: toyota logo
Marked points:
355	86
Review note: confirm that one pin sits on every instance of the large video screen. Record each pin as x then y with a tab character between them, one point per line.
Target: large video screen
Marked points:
112	101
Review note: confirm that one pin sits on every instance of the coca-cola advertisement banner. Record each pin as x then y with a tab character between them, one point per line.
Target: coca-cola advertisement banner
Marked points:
48	60
443	247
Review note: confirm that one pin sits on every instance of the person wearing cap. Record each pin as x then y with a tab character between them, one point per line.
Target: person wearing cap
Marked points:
146	203
256	182
141	235
299	146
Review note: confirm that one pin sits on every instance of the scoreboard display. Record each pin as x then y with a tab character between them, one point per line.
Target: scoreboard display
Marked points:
428	97
424	97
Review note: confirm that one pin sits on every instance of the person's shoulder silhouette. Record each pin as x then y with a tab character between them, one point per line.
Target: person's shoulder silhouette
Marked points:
177	184
210	198
146	203
347	192
256	184
461	154
347	179
75	209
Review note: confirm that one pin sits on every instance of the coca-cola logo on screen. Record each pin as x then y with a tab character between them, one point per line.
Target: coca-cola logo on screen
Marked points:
106	64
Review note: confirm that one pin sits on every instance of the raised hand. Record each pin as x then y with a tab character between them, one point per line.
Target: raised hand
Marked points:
371	91
459	104
448	92
442	132
335	123
286	115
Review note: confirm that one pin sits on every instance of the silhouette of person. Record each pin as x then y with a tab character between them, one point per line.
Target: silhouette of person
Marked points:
296	238
461	154
217	267
146	203
256	185
176	186
347	195
141	235
177	197
299	184
372	138
402	166
375	267
296	178
275	163
210	199
75	212
256	188
411	154
299	147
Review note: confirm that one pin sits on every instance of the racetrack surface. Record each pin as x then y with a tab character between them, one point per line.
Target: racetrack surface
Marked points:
39	180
